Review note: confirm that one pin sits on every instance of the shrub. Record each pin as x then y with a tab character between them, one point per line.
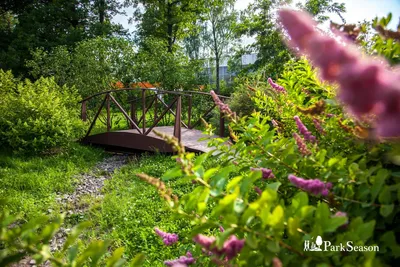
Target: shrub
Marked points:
37	116
309	182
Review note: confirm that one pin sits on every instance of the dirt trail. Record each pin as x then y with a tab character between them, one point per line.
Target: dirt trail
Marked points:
89	185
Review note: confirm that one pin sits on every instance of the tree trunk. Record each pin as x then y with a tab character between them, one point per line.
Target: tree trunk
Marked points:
102	10
169	28
217	73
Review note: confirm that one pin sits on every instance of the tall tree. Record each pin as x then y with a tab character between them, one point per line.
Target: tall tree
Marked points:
259	22
48	23
169	20
219	35
320	8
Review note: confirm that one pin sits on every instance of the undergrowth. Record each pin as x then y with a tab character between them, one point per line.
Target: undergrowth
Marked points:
30	183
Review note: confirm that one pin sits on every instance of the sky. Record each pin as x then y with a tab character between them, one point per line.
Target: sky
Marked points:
357	10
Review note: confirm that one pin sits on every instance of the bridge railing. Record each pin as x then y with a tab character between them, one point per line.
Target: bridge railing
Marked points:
163	104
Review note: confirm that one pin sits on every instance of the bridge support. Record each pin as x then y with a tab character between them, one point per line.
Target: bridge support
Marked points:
178	119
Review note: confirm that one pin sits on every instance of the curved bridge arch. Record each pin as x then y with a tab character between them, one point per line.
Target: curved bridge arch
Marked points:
153	106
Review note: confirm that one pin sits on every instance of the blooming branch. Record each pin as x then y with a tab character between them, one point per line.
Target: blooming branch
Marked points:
168	239
366	86
313	186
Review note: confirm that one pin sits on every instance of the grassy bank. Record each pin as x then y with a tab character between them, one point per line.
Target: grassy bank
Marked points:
132	208
30	183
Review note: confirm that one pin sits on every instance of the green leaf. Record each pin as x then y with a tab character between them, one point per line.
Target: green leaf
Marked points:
252	240
334	222
274	186
116	259
386	210
277	217
172	173
138	260
378	183
273	246
75	232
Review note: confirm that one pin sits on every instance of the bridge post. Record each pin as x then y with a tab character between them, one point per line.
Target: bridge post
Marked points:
83	111
155	106
178	118
108	113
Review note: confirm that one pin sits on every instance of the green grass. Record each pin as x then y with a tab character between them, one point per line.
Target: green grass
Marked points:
132	208
30	183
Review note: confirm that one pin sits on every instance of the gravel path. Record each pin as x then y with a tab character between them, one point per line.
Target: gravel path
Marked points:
89	185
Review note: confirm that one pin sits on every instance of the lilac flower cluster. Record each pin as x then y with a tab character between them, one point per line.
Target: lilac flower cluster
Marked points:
301	145
167	238
266	173
304	131
313	186
230	249
224	108
276	86
366	86
318	126
258	190
182	261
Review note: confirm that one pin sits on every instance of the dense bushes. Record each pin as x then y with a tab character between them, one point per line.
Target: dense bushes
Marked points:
305	181
37	116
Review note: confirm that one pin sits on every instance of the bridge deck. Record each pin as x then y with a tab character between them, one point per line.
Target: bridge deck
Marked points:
131	139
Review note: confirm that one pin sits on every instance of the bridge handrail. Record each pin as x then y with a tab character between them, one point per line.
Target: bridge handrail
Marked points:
182	93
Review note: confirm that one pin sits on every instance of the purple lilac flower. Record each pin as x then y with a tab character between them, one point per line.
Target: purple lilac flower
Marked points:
266	173
221	229
276	86
181	261
167	238
301	145
330	115
232	246
366	86
304	131
318	126
258	190
313	186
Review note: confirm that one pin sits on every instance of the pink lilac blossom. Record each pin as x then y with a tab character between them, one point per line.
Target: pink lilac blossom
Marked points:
313	186
304	131
181	261
232	246
224	108
366	85
221	229
276	86
258	190
266	173
167	238
318	126
301	145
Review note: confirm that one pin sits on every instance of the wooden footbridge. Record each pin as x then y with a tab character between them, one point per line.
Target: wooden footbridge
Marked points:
124	119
